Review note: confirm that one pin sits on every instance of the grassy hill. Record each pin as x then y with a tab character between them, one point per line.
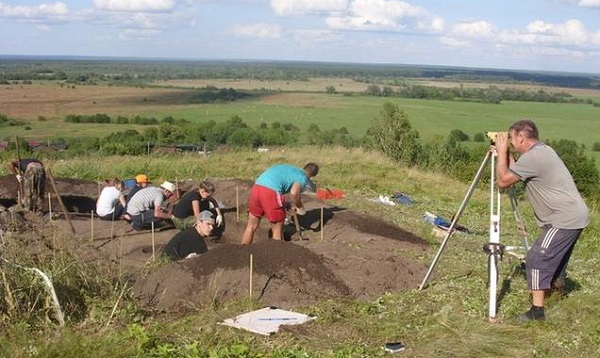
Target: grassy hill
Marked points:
447	319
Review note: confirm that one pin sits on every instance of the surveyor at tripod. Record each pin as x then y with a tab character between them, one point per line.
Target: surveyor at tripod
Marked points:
559	209
31	176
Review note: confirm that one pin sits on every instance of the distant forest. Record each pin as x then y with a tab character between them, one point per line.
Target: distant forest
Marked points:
140	71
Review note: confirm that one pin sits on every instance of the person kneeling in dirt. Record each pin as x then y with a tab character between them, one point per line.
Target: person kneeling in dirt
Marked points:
31	176
193	202
190	242
267	197
145	208
111	203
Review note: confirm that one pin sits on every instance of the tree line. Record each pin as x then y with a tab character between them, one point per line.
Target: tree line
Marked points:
390	133
97	70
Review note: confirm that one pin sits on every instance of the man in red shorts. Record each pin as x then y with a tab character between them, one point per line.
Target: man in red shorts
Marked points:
267	197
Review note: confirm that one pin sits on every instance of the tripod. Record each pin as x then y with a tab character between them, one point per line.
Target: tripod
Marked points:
493	248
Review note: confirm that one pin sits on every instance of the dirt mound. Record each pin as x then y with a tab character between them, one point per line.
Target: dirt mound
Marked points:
343	254
283	274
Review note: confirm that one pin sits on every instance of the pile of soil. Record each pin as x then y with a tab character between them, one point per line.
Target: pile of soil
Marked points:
342	253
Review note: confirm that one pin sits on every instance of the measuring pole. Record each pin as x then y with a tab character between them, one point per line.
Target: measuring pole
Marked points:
493	249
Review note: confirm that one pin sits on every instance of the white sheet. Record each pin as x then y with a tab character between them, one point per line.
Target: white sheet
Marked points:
266	321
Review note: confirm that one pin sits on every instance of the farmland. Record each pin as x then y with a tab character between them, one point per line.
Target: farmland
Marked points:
364	247
302	103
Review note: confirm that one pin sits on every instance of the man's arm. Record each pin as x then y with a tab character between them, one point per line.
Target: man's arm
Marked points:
504	177
196	207
159	212
13	166
295	192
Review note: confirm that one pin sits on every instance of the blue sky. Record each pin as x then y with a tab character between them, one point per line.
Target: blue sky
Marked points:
555	35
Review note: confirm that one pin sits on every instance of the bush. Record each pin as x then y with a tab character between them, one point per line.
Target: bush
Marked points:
392	134
459	135
583	169
479	137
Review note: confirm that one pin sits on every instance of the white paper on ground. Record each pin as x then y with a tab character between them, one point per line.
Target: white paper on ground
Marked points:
267	320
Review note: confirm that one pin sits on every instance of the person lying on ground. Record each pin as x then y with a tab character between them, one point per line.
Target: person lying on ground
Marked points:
31	176
111	203
145	208
267	197
193	202
190	242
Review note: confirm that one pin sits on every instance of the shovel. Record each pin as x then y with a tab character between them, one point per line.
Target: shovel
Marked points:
297	224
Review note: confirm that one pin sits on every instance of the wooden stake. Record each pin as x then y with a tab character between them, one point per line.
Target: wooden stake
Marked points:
92	226
321	223
153	247
250	285
112	225
60	202
50	205
237	203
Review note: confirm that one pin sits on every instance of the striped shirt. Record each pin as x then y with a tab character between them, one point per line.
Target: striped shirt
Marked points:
145	199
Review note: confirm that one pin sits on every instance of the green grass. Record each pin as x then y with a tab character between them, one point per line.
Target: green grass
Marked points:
430	118
447	319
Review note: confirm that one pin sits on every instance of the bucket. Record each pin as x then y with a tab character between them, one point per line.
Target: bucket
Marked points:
129	183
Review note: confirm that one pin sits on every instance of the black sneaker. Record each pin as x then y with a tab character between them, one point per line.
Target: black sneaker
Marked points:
532	315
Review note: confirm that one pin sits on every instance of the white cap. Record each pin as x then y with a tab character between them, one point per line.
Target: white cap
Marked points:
169	186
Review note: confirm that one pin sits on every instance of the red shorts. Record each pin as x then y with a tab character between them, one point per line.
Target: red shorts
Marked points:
266	202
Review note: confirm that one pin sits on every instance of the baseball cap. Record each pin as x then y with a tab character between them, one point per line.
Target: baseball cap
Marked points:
141	178
206	216
169	186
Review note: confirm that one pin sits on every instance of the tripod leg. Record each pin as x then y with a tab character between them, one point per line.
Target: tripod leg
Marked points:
518	218
456	217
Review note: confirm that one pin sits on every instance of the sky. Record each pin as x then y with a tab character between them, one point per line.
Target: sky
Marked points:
549	35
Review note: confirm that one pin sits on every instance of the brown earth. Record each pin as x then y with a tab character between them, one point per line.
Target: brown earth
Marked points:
344	253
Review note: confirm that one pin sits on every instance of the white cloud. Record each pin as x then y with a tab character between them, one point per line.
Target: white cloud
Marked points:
589	3
571	34
261	30
385	15
42	11
135	5
474	30
301	7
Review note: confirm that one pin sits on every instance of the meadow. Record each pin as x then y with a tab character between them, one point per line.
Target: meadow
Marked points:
45	105
446	319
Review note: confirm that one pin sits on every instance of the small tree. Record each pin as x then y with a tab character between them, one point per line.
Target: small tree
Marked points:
330	90
392	134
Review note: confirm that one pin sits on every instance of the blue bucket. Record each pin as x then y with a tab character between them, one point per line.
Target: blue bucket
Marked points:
129	183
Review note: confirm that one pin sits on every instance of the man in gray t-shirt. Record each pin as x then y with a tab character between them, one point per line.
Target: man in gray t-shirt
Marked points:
559	209
145	207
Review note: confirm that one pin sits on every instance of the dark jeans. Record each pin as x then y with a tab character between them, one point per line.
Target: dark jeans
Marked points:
144	221
116	214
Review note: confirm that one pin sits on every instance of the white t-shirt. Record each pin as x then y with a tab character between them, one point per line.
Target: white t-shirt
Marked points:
109	197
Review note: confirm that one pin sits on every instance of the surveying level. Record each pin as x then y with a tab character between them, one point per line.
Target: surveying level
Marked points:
492	136
493	248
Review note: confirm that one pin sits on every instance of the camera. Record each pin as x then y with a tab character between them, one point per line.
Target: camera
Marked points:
492	136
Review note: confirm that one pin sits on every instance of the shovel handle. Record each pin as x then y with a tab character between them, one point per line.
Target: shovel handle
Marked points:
297	223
